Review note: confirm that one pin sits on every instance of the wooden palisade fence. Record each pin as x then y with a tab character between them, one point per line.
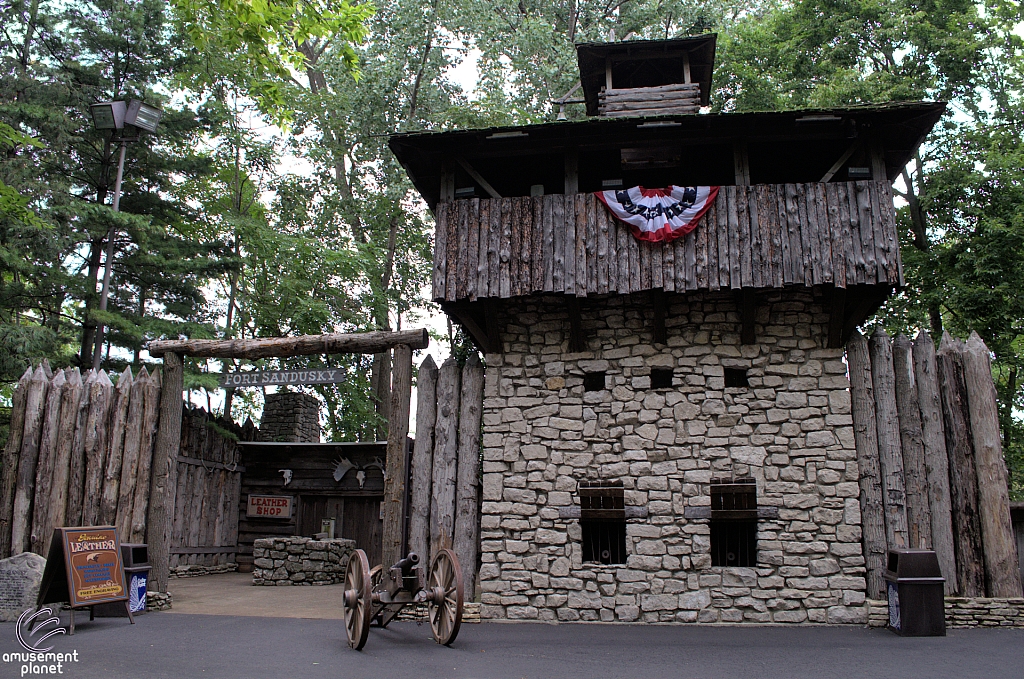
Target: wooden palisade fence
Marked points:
79	453
445	478
932	474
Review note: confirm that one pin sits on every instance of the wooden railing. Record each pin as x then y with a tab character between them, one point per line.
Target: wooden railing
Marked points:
764	236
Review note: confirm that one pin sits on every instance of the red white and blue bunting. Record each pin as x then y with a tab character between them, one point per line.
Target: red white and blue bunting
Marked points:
660	215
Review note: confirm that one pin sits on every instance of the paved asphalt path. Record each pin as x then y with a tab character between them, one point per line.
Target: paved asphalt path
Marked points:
179	646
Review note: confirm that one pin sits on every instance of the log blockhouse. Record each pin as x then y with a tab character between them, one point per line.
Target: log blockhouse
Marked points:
695	390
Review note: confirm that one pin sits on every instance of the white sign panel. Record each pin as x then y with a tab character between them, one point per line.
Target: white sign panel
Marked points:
270	506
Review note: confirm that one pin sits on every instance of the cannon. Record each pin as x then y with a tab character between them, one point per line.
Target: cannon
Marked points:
376	597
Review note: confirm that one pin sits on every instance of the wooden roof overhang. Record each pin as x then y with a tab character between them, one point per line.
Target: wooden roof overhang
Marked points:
646	63
783	147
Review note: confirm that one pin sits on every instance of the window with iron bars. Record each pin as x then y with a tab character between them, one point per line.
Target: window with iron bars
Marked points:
603	522
734	523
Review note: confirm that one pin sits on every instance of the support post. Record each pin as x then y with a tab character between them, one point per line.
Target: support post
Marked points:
919	515
423	460
165	471
467	502
442	491
393	542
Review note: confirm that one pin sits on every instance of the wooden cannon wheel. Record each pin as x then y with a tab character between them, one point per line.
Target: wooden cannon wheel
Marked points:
444	600
357	601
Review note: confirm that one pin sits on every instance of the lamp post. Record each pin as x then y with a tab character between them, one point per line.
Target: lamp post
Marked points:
126	122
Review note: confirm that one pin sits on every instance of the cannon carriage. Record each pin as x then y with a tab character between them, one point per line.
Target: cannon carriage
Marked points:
375	597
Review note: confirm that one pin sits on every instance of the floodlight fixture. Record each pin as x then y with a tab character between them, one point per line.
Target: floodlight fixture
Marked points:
108	115
142	115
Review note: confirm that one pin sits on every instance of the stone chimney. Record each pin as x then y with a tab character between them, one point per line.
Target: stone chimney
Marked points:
290	417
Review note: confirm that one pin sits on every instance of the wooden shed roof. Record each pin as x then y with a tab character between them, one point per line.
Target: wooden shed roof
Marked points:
783	146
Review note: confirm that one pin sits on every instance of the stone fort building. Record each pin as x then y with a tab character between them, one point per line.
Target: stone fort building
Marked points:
667	432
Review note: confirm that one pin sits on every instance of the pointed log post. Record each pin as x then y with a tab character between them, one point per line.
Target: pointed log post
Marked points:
76	468
423	460
467	499
97	434
9	471
442	491
165	470
865	435
130	459
39	541
890	456
69	403
35	405
919	515
963	480
140	503
935	461
393	542
115	449
1002	572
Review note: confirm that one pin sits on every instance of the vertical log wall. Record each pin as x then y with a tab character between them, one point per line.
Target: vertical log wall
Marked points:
931	464
445	493
77	451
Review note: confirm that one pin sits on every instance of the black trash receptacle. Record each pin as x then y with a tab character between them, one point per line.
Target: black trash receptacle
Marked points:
135	559
914	585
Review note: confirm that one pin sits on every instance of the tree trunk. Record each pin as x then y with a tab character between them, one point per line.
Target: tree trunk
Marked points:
919	515
935	460
1002	572
963	480
865	434
423	460
442	492
88	324
467	515
9	471
890	455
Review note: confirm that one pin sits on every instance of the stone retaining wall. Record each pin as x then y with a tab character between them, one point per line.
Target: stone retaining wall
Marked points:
300	561
197	570
791	430
964	612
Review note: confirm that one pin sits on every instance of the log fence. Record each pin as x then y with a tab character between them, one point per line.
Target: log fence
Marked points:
932	474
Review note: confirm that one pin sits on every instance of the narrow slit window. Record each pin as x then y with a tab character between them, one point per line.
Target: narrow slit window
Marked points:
736	377
661	378
603	522
593	381
734	523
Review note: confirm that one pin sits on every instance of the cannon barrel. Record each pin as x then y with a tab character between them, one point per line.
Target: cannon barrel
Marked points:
408	563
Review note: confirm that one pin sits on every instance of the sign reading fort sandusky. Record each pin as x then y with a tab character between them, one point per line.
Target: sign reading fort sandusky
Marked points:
261	378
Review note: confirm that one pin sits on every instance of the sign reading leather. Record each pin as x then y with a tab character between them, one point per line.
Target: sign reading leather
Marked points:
91	561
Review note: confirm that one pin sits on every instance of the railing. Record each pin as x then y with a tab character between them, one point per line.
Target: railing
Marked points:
765	236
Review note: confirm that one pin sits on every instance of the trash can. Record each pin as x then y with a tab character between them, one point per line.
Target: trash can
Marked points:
135	558
914	585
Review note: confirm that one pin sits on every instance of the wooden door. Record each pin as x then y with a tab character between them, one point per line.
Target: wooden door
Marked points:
315	508
362	523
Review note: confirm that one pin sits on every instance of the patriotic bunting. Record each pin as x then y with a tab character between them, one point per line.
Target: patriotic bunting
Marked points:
660	215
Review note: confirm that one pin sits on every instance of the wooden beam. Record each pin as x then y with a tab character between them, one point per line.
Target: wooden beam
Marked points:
660	312
464	317
839	163
608	74
878	172
741	162
572	174
836	318
447	193
304	345
423	460
165	472
576	340
393	540
686	68
478	178
748	310
466	541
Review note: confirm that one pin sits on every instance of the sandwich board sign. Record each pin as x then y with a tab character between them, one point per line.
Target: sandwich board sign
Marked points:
84	568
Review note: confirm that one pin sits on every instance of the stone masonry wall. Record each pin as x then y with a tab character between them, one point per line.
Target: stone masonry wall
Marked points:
290	416
300	561
791	430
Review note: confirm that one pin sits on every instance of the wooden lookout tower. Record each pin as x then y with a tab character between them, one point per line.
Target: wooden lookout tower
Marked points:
666	421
